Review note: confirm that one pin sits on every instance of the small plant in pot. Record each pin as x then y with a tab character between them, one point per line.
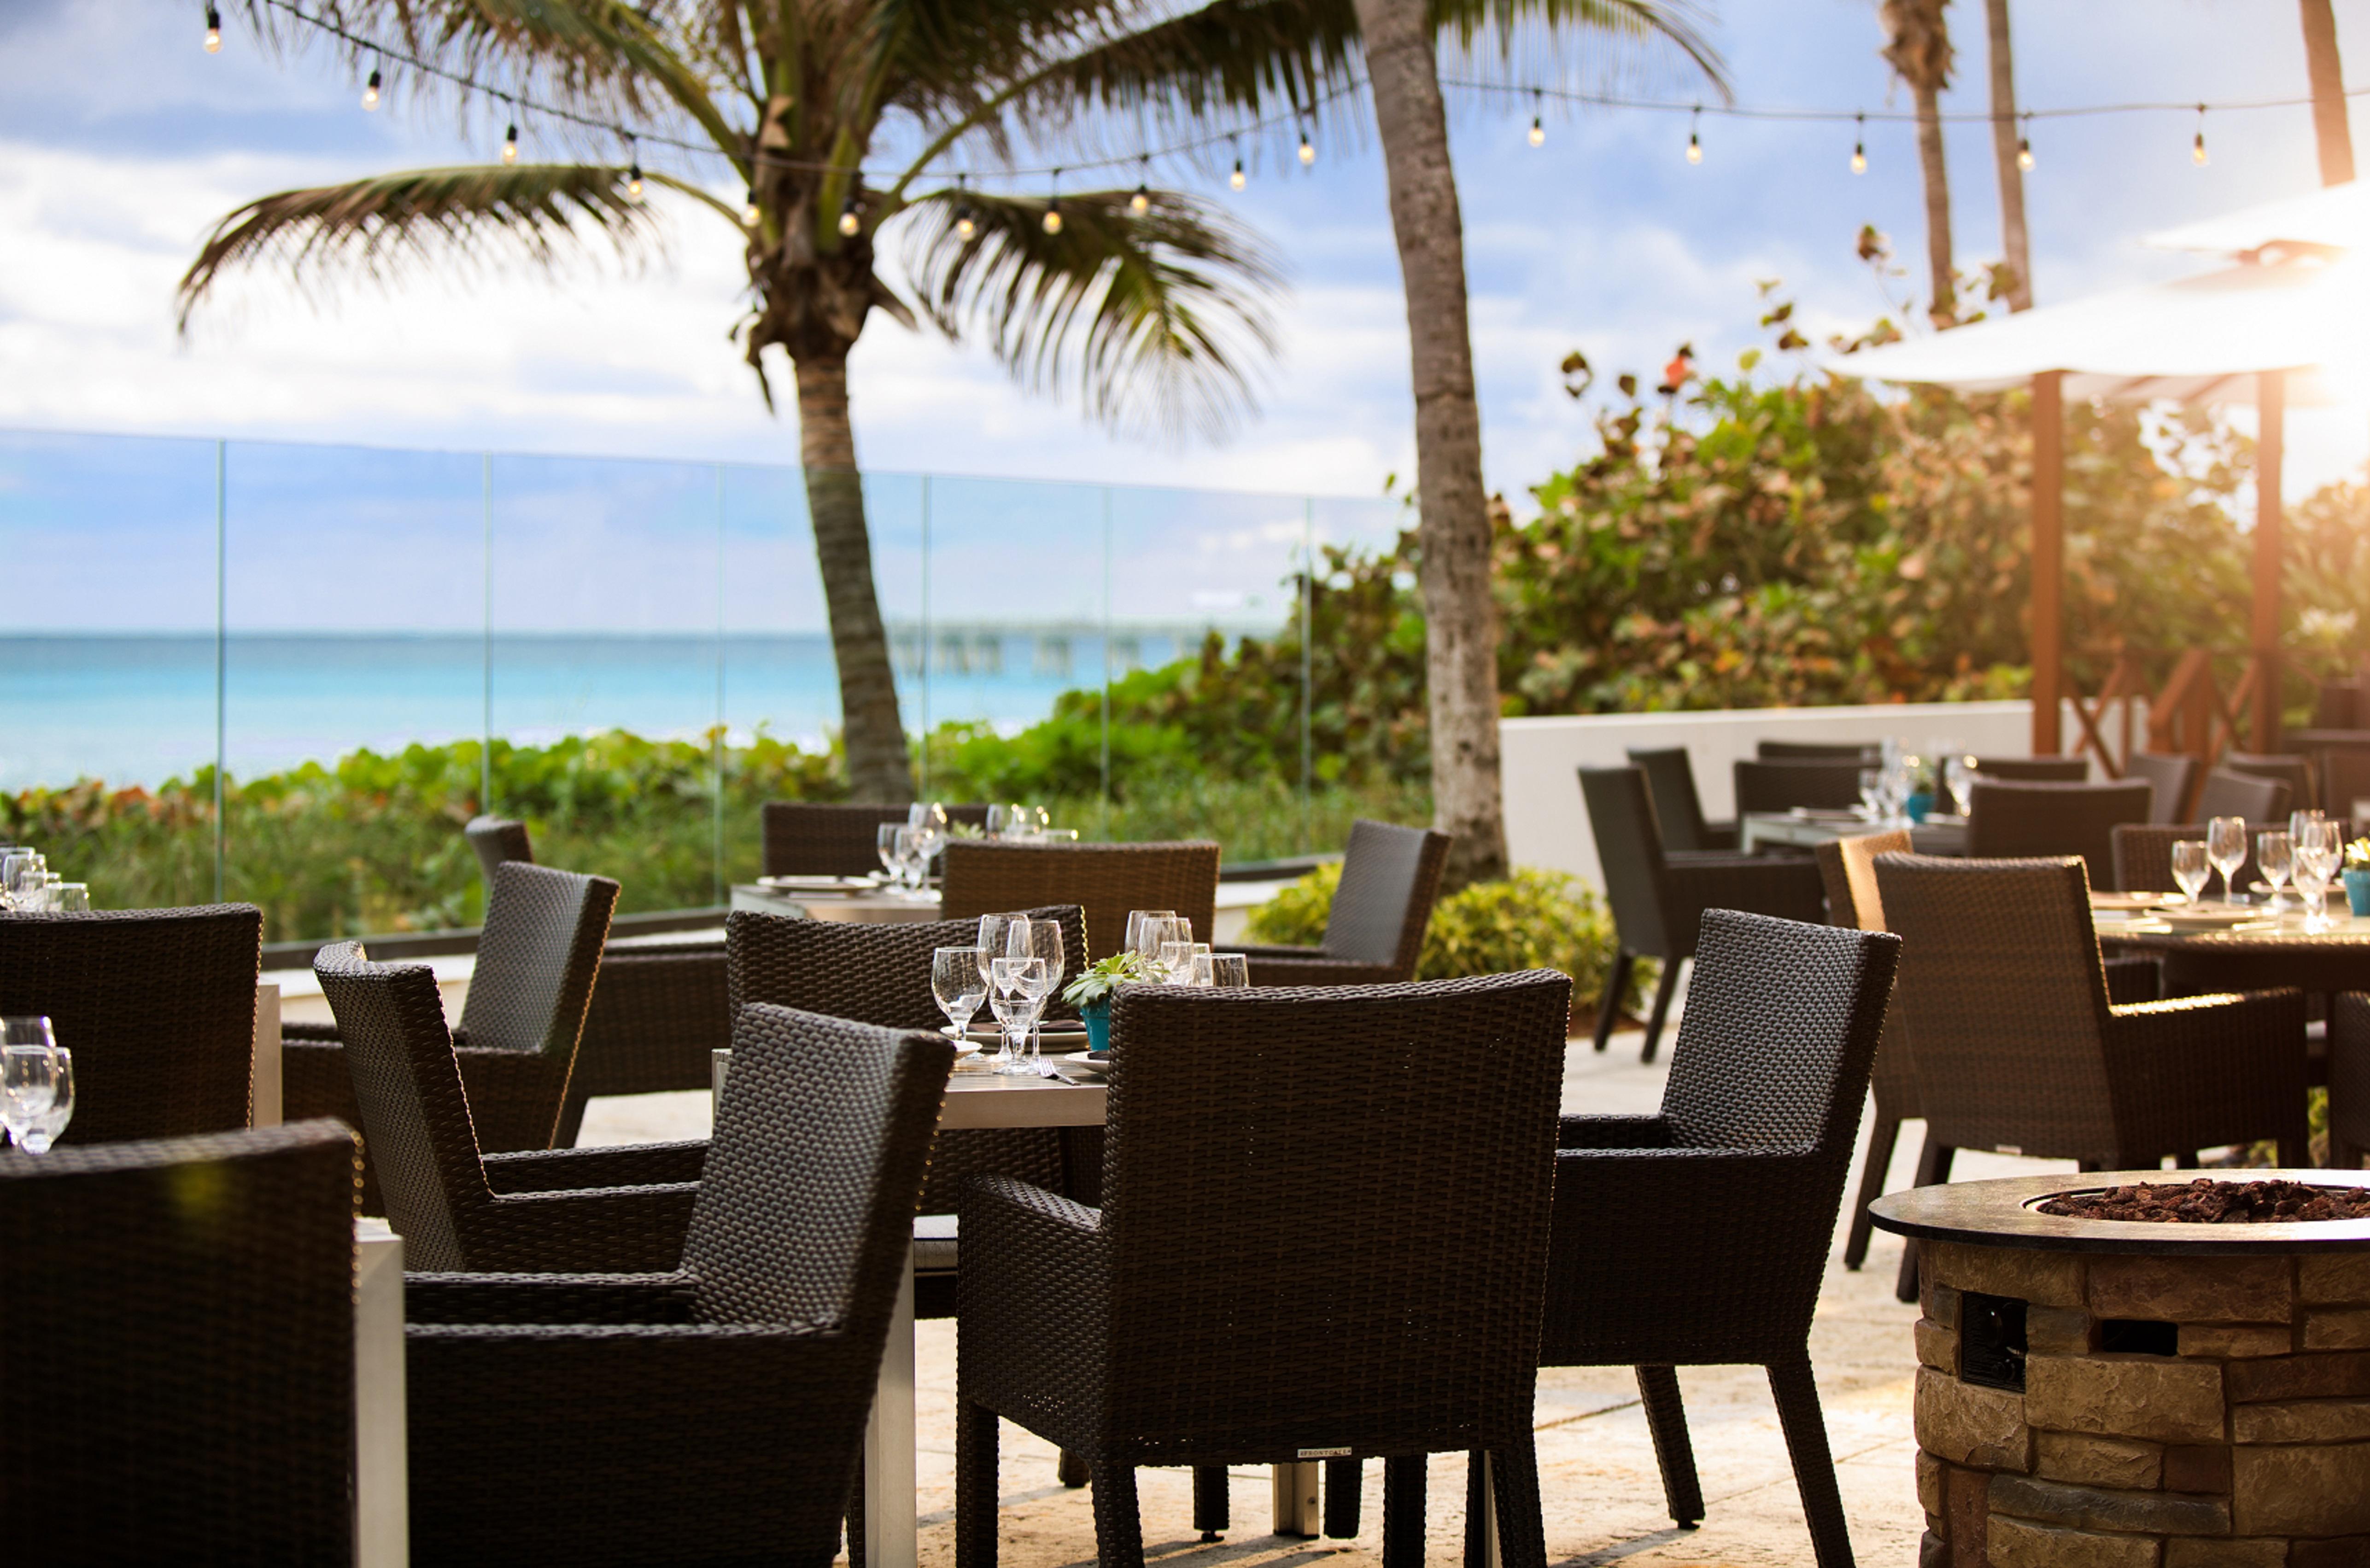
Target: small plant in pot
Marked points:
1090	994
2356	876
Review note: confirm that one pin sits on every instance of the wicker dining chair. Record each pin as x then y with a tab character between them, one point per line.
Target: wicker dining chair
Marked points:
1847	867
712	1413
2021	1048
2034	770
1699	1236
1819	751
1258	1287
1105	880
456	1208
1671	781
180	1313
2294	772
658	1015
158	1006
2143	857
520	1024
1782	786
807	837
1374	934
2257	797
2349	1078
2173	777
1658	900
2008	821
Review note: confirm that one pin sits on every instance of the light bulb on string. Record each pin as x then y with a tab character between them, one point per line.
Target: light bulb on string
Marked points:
370	89
510	140
1538	118
1141	203
1307	148
964	226
1236	180
2024	153
2197	148
633	170
214	30
1695	143
850	222
749	213
1859	143
1051	222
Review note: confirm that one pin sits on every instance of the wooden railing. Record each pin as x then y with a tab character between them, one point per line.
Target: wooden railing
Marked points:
2193	713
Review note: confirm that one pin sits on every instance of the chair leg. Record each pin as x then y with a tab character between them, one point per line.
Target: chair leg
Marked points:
856	1516
1515	1475
1882	1134
1476	1509
1617	986
1119	1529
1933	1168
1345	1480
1211	1503
1070	1470
1666	1419
2342	1156
1403	1498
1661	1007
975	1467
2185	1161
1815	1467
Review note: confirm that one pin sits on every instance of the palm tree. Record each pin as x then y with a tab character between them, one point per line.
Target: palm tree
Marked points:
1148	302
1919	50
2007	156
2326	72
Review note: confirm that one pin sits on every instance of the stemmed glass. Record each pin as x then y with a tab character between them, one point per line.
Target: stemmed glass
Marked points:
1135	923
2317	854
2225	847
20	871
885	845
2190	871
996	939
1958	778
928	821
1225	970
2273	857
1017	990
1871	793
1044	942
960	987
1158	931
45	1128
29	1066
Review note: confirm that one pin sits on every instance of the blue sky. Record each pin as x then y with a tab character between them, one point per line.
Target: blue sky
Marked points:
120	140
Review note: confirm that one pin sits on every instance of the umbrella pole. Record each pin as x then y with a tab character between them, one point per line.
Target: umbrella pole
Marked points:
2271	405
2048	558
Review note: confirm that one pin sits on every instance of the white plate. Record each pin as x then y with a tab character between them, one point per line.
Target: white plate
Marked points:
1084	1061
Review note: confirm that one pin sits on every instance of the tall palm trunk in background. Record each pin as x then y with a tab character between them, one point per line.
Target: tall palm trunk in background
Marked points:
2006	148
1460	617
2327	75
1920	53
878	767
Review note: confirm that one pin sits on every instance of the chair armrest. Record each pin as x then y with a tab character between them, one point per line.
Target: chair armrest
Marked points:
1612	1132
1761	885
298	1029
1720	835
573	1170
600	1230
1029	1256
2194	1071
2134	977
547	1297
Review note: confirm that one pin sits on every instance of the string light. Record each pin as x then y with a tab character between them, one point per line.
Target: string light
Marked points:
370	88
2024	147
510	138
850	222
749	213
1052	219
1860	145
964	228
1141	203
1695	145
1307	148
1237	180
634	172
1538	118
2197	148
214	30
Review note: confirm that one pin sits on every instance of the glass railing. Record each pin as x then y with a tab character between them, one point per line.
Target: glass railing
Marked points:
208	636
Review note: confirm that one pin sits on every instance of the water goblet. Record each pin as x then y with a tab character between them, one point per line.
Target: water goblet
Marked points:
2314	857
928	821
912	865
2225	847
998	817
2190	870
28	1079
1018	991
43	1132
1136	919
1043	941
1958	778
885	845
2274	853
1222	970
1871	793
994	939
71	897
1176	963
958	987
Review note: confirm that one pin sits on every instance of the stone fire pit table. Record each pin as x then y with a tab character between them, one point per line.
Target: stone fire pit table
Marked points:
2120	1394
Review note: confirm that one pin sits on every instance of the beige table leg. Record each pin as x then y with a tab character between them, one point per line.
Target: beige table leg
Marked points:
1296	1488
891	1527
266	1093
382	1492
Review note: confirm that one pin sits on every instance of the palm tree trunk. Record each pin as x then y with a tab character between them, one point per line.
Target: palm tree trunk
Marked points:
1460	617
1940	266
2327	74
878	767
2005	141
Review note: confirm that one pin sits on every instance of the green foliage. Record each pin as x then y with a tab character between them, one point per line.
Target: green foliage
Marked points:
1105	975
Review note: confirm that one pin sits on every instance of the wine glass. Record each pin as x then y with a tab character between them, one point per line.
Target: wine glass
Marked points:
1871	793
71	897
2316	857
1176	963
885	845
928	821
912	865
43	1132
2190	870
1043	941
27	1078
18	871
1016	989
994	939
1225	970
2274	858
998	817
1136	919
1017	821
1958	778
957	985
2225	847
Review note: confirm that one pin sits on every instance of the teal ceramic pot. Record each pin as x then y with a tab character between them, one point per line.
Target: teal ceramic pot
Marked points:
1919	804
2357	891
1097	1016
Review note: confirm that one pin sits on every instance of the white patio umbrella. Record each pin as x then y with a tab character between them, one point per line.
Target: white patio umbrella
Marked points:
2293	328
2335	215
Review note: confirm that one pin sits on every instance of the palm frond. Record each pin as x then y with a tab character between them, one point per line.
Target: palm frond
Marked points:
374	228
1556	24
1154	318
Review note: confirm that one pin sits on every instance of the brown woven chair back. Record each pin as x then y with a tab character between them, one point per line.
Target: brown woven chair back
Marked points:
497	839
2035	769
1629	851
158	1006
2344	779
1847	866
1390	877
2257	797
538	959
1818	751
1671	781
187	1308
415	1112
2004	992
1105	880
2006	822
2144	858
2172	777
807	838
1781	786
2294	772
1433	1255
806	1199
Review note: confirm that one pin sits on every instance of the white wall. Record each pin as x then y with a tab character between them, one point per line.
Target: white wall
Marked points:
1547	827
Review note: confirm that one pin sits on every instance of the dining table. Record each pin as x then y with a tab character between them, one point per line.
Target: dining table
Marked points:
859	899
2267	947
1807	827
